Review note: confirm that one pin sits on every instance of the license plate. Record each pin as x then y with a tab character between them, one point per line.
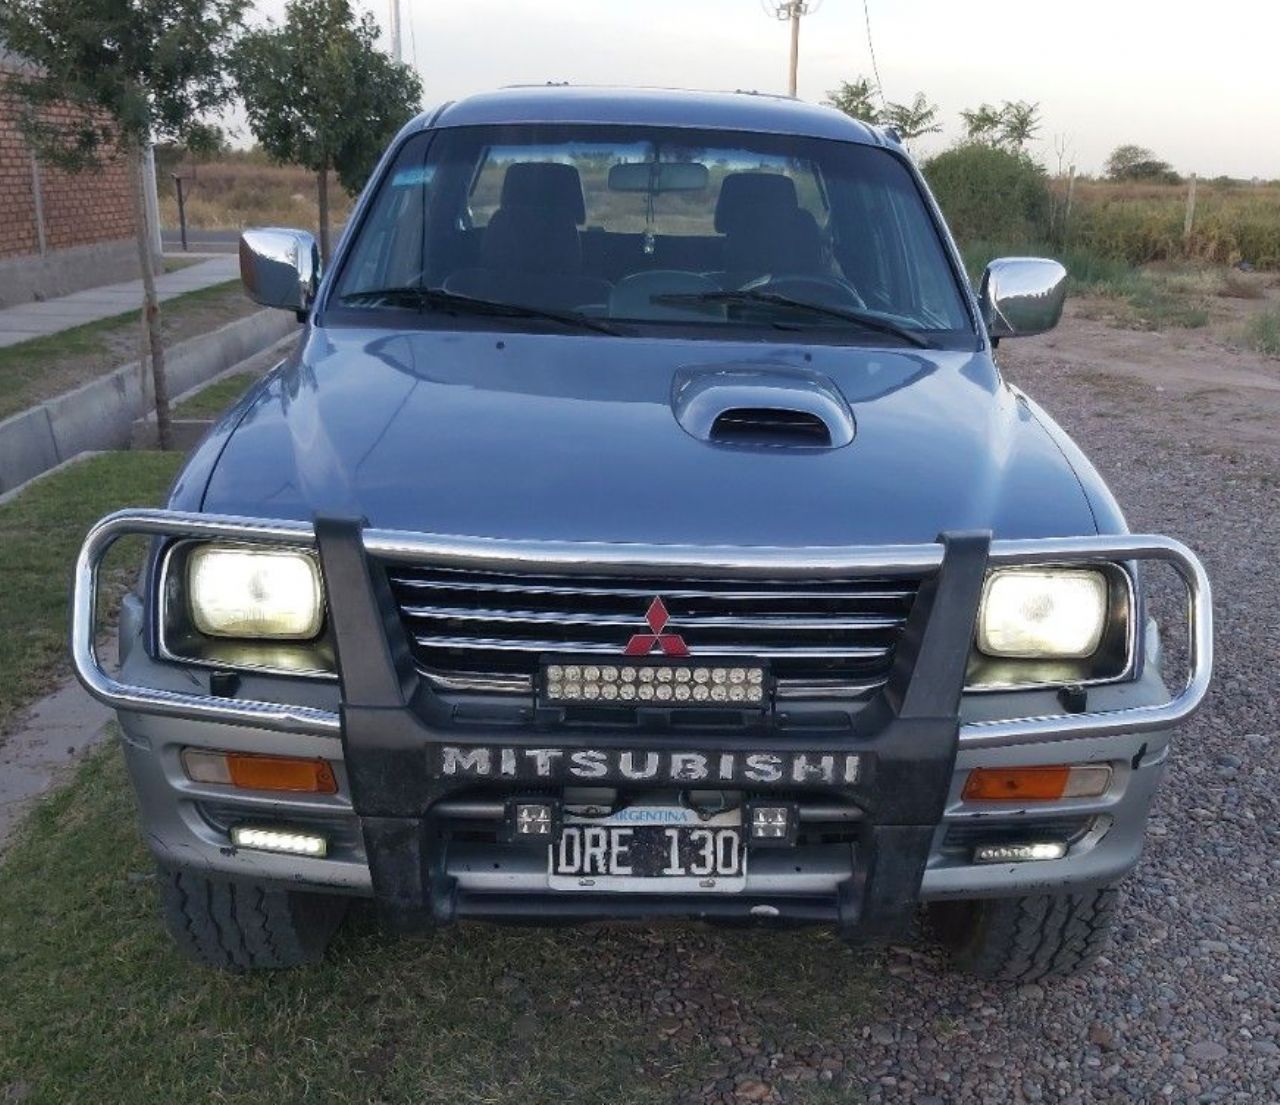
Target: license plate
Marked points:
650	849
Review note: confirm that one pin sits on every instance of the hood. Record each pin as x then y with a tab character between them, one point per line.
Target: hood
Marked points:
577	437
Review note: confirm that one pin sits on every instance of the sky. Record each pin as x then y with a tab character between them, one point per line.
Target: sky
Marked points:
1198	83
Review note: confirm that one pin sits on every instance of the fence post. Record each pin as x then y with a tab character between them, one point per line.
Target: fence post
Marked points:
1189	221
1066	214
182	210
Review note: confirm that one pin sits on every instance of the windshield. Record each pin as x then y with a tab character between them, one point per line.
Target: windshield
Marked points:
648	225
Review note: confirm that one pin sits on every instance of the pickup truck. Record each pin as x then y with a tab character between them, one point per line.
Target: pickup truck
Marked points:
642	528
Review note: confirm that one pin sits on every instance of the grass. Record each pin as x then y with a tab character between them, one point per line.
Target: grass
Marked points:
1263	332
40	532
44	367
99	1007
211	401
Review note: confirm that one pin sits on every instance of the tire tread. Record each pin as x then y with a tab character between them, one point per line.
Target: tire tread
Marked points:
243	926
1028	938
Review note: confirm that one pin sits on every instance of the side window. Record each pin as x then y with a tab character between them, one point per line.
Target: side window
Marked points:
931	286
388	252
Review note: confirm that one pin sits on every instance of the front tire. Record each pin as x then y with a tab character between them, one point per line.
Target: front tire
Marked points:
1028	938
235	925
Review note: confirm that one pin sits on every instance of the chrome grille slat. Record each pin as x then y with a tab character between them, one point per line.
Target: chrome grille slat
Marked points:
628	621
595	648
568	591
487	630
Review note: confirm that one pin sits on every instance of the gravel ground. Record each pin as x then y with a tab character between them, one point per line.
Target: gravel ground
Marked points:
1187	1005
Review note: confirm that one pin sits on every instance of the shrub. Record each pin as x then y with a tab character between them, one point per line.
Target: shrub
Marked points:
1263	332
989	194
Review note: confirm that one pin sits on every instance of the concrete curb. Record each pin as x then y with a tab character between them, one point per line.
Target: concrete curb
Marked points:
100	414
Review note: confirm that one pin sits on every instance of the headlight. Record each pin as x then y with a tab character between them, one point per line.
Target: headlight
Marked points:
243	592
1042	613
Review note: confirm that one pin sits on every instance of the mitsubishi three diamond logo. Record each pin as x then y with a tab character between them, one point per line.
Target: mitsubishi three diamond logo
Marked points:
669	644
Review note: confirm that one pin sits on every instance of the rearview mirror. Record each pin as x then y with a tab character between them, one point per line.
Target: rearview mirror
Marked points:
280	268
1021	296
658	176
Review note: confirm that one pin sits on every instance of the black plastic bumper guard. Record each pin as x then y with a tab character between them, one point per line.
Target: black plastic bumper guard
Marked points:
393	725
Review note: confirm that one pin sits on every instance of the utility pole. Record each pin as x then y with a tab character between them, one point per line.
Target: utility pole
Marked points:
395	30
792	10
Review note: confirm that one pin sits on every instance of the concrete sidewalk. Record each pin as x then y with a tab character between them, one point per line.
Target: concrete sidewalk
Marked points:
37	320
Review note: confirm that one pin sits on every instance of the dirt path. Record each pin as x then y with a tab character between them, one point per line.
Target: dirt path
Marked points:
1216	395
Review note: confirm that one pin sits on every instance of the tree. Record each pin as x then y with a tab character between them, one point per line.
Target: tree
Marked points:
914	119
1008	127
318	93
1133	162
1019	123
857	99
121	76
982	124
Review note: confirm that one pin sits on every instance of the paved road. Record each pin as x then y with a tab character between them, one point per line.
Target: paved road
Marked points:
35	320
202	241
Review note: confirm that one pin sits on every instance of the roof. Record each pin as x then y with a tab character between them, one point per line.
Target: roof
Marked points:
740	111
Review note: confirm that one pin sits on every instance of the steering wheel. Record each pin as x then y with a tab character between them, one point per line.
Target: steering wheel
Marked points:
827	291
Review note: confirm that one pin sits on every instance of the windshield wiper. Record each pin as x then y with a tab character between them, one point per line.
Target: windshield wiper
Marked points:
446	301
753	296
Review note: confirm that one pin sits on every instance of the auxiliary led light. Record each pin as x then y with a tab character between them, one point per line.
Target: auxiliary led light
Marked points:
278	840
1019	853
534	819
707	684
770	822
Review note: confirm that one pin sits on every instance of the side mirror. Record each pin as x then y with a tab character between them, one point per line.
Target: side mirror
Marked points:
280	268
1022	296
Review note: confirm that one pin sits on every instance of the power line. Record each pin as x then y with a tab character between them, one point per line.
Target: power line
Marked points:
871	46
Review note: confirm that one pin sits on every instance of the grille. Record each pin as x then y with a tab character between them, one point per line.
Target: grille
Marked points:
486	630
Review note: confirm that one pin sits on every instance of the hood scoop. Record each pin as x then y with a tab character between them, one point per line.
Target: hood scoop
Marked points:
761	405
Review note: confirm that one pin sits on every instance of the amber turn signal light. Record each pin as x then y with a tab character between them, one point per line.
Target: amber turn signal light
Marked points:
1036	784
251	772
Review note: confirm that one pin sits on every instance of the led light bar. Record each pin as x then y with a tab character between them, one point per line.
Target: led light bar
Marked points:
279	840
1019	853
649	684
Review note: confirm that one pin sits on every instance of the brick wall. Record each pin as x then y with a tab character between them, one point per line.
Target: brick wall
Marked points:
79	209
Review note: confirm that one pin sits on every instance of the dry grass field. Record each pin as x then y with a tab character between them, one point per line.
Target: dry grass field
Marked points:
1140	223
245	189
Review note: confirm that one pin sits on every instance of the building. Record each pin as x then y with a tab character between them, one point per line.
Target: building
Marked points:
59	232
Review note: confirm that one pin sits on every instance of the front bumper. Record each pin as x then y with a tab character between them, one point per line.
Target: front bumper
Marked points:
404	829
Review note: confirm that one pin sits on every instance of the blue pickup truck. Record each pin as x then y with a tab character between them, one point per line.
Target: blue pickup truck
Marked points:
642	527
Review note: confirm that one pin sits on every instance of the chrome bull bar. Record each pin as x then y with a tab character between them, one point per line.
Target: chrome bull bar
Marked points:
621	560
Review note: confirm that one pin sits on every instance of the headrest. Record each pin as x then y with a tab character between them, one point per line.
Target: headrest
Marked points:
545	184
746	197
